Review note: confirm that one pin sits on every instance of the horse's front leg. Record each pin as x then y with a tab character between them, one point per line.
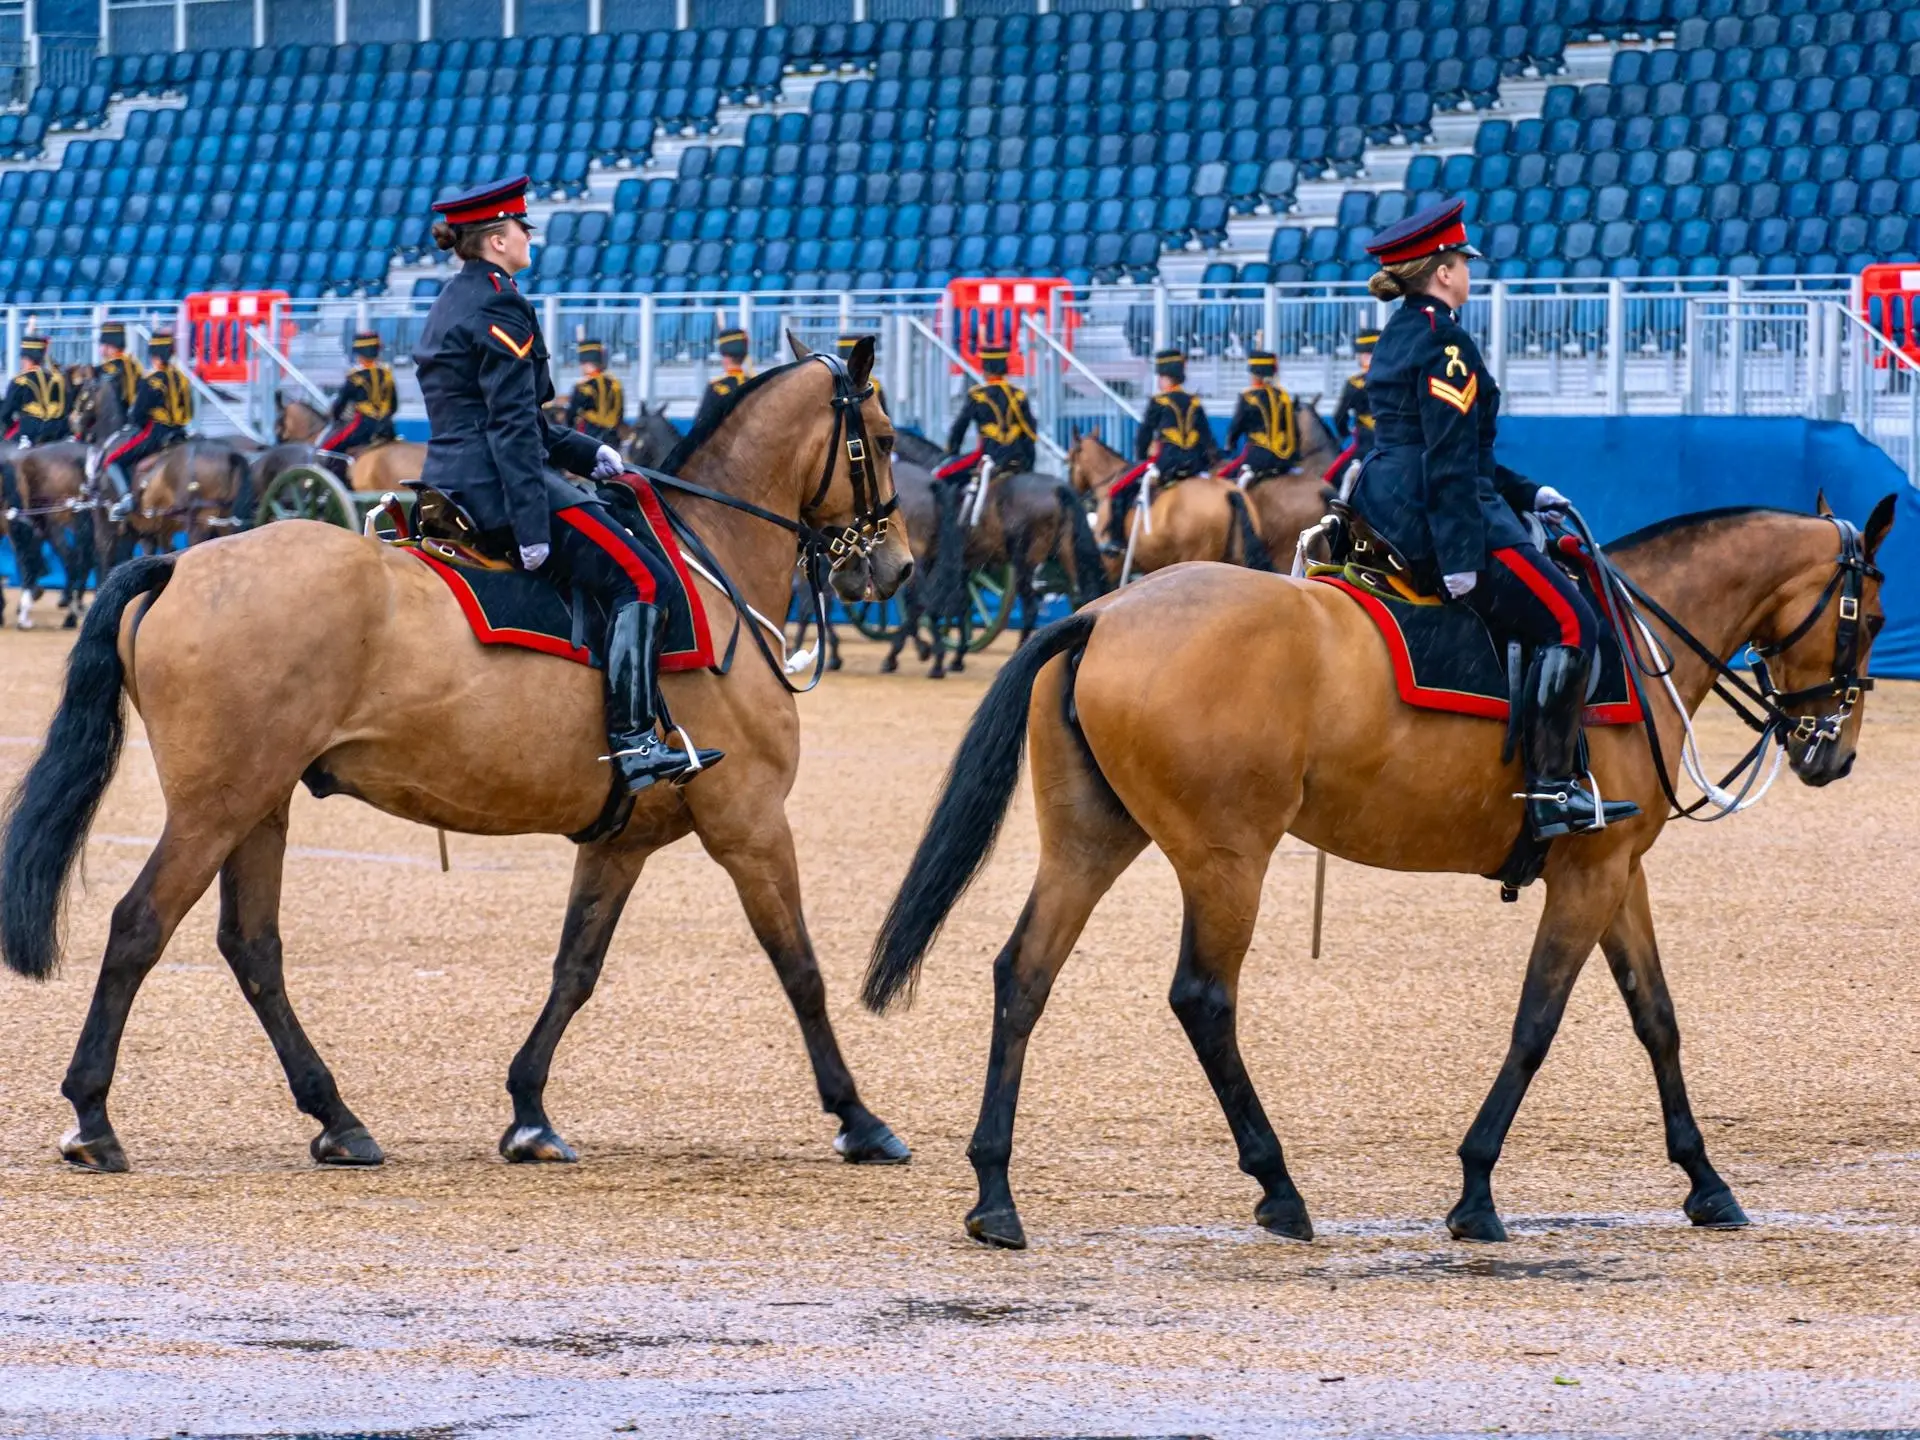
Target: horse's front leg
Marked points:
744	827
1584	889
603	877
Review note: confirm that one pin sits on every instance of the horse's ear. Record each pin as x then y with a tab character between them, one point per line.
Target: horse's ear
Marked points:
860	360
798	346
1820	505
1879	523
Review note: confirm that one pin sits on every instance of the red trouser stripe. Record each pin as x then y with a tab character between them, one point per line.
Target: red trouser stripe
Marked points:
1563	614
958	465
621	552
114	458
343	434
1339	460
1134	474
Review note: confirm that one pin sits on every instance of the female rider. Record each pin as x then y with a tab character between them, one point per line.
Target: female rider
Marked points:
482	365
1432	490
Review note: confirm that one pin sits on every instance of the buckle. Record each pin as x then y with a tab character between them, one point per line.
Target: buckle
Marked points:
1806	729
1852	697
1849	607
856	450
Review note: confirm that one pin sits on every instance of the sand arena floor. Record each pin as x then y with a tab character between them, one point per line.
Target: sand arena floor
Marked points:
711	1269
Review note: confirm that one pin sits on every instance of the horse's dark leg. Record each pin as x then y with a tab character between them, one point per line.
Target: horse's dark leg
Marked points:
1213	943
964	644
909	619
1069	883
831	638
936	627
603	877
1582	896
250	941
1026	576
1634	956
174	877
755	847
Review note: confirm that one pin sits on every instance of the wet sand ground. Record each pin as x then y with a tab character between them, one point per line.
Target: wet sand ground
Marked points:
712	1270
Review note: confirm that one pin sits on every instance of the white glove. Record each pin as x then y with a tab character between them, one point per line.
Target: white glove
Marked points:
532	557
607	463
1460	583
1549	500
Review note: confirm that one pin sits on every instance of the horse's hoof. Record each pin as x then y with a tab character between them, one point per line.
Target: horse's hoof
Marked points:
1717	1210
834	663
23	623
936	675
889	665
1285	1216
352	1146
870	1143
99	1153
72	622
1000	1228
1482	1226
536	1145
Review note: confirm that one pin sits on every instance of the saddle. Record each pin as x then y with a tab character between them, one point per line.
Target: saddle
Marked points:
505	605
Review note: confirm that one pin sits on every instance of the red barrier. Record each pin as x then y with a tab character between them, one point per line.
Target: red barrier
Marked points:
217	325
1888	294
988	314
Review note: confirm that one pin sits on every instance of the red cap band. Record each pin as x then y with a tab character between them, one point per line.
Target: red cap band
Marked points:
1421	246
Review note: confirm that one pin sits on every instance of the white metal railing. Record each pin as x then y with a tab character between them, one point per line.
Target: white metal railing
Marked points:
1880	386
1069	398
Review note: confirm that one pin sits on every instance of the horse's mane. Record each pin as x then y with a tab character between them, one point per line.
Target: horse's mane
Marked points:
703	431
1678	524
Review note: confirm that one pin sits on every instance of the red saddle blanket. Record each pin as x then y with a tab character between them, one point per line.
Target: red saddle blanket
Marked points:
1444	657
511	607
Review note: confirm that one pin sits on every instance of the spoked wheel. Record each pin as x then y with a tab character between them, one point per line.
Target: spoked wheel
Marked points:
305	492
990	592
876	619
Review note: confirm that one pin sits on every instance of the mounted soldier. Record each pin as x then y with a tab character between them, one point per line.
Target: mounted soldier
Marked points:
482	363
37	405
161	412
117	365
597	405
362	413
998	410
1433	491
733	374
1174	441
1353	416
1264	420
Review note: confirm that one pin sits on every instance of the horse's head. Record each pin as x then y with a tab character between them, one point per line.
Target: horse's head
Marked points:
851	491
1814	639
1089	461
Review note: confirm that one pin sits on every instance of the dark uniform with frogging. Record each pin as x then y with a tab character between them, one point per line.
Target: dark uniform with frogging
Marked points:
362	412
482	363
598	403
1353	414
1264	425
36	406
732	345
1434	491
998	410
162	411
1175	437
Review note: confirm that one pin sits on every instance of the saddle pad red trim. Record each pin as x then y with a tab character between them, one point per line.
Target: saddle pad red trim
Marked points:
701	656
485	633
1459	702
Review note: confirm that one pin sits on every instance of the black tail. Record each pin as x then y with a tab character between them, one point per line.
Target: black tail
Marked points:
944	595
1089	570
966	819
243	492
47	820
1253	550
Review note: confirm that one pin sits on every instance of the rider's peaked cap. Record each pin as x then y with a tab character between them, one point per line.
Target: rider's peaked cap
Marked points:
113	332
993	360
499	200
33	347
160	347
1171	363
367	342
1261	362
1366	340
1433	230
592	350
733	344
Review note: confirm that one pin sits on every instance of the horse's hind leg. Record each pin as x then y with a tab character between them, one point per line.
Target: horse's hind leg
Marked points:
753	843
1634	956
603	877
1582	898
175	875
250	941
1222	903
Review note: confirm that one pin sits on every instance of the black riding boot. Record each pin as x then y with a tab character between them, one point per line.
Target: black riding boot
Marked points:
633	673
1559	801
1120	514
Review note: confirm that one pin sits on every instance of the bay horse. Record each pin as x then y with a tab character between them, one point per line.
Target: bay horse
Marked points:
192	491
43	494
1200	518
1304	733
1287	504
371	469
355	651
296	420
650	438
387	465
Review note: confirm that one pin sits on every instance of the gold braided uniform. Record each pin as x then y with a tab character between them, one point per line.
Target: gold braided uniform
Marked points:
1264	418
596	408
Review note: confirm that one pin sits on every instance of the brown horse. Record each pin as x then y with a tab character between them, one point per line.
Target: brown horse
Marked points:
295	420
1200	518
43	494
355	654
386	466
1287	504
1305	734
383	465
196	489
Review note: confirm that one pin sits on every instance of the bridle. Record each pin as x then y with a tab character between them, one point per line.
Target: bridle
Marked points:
1775	719
821	549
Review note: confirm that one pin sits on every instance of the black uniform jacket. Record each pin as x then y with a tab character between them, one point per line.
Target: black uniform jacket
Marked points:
1179	422
163	400
718	389
1006	426
1353	415
126	376
596	407
37	402
482	365
1264	419
368	391
1431	486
